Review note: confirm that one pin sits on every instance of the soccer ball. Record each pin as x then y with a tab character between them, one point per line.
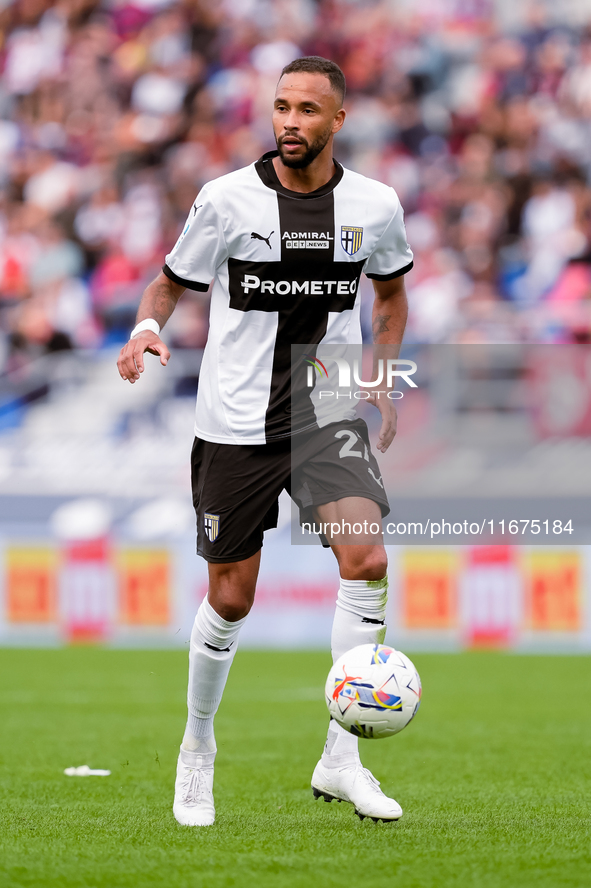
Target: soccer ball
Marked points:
373	691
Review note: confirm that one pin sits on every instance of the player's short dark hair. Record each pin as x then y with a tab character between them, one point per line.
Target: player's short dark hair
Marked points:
318	65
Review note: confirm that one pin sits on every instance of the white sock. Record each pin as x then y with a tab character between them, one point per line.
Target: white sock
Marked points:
213	645
359	619
359	616
199	752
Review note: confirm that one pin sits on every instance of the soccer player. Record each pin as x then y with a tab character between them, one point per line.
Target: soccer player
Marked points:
284	241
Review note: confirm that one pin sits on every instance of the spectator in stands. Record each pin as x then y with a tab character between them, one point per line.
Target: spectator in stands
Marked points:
113	114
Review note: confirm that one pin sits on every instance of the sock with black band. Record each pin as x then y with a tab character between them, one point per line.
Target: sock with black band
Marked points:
359	618
212	649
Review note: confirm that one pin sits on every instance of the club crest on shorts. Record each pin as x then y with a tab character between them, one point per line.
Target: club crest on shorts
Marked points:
212	526
351	238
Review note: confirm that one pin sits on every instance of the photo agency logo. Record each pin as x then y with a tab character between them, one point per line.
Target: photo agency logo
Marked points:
388	371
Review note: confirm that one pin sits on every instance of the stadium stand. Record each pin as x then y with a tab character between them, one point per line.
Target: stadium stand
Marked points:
113	115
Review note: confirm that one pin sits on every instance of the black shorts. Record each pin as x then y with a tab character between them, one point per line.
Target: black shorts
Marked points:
236	486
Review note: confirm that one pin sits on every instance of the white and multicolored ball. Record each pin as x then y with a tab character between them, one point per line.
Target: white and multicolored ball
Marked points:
373	691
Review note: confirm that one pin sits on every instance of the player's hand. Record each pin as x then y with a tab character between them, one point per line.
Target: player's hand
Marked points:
389	419
131	356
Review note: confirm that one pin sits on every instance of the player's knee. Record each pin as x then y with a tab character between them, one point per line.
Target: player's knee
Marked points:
229	597
231	590
364	564
231	605
235	611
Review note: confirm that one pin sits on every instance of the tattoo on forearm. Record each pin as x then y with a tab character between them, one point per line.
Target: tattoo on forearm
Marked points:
163	304
380	325
160	304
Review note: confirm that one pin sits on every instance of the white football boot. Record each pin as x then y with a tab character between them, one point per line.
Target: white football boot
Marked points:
355	784
193	789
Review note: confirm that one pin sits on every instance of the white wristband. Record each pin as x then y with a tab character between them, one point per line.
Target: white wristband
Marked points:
148	324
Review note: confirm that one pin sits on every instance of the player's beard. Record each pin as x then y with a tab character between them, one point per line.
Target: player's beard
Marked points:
312	151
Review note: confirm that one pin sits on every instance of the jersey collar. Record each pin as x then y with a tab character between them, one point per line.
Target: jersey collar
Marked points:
268	176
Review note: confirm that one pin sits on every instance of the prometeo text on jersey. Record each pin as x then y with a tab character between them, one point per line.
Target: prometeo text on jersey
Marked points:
312	288
264	286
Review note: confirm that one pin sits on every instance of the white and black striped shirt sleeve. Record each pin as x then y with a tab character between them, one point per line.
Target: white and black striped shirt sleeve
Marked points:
201	247
392	256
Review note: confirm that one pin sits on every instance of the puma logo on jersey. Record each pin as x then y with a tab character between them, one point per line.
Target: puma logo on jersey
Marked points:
256	236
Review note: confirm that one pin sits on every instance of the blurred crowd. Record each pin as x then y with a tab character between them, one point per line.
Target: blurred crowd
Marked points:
113	114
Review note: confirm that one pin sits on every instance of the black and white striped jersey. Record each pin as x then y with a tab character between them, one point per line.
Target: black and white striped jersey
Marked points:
285	268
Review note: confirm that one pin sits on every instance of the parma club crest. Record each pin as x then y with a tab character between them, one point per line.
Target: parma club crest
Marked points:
351	238
212	526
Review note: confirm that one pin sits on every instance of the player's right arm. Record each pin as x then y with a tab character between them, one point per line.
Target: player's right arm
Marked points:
158	302
192	263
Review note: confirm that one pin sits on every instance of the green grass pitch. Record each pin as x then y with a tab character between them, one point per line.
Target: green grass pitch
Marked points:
493	776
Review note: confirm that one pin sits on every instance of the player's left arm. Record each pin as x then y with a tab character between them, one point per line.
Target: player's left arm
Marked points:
390	311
